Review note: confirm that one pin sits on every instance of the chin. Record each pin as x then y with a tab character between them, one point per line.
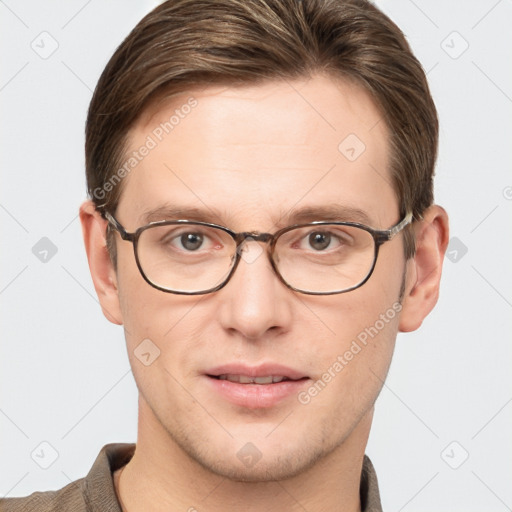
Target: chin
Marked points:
281	467
262	461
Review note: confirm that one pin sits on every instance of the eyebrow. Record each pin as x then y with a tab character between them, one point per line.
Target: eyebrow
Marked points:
175	212
334	212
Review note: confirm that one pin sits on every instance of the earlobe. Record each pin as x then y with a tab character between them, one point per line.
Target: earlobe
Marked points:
102	271
424	269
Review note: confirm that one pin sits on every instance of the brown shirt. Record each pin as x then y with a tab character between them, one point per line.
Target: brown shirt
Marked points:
96	493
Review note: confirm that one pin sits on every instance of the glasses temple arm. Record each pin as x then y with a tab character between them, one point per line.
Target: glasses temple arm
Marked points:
117	226
398	227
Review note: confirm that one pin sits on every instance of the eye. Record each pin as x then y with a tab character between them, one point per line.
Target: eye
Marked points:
191	241
185	240
319	241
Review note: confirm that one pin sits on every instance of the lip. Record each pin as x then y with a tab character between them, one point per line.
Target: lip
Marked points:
256	396
261	370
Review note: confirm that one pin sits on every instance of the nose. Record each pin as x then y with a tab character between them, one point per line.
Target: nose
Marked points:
255	303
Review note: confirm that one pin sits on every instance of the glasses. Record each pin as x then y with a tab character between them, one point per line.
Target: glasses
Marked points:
318	258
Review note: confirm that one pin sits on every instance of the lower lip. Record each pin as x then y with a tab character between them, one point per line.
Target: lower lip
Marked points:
257	396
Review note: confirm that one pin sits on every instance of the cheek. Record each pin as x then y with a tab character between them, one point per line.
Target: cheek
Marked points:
159	316
370	308
143	307
354	367
362	325
166	326
157	322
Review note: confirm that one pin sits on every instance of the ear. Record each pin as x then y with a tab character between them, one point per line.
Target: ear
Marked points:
102	270
424	269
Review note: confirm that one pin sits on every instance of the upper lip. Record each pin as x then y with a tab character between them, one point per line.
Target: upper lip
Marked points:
260	370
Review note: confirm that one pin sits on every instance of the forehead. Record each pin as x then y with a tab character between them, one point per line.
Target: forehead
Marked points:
252	154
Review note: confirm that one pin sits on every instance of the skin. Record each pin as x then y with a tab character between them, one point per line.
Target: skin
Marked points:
254	174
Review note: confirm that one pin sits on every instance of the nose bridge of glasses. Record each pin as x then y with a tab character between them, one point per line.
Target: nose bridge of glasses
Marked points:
253	236
250	255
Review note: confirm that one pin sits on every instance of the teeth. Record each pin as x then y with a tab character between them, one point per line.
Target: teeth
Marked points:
245	379
263	380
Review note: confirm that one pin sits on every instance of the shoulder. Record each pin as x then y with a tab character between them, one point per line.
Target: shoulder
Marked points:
91	493
369	488
70	498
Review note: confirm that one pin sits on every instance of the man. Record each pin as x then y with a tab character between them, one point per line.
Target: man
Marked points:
261	223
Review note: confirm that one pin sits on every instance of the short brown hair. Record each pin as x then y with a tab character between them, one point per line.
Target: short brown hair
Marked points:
188	43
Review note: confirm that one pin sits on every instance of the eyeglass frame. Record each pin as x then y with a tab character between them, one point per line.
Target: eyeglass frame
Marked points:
379	237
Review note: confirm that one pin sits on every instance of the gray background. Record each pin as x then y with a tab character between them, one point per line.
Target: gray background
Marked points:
64	373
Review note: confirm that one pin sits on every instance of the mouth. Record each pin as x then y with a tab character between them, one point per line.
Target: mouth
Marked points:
256	387
246	379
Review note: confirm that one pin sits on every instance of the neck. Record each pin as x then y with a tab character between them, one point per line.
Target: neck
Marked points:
162	477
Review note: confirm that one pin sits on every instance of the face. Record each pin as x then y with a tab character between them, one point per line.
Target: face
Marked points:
252	158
